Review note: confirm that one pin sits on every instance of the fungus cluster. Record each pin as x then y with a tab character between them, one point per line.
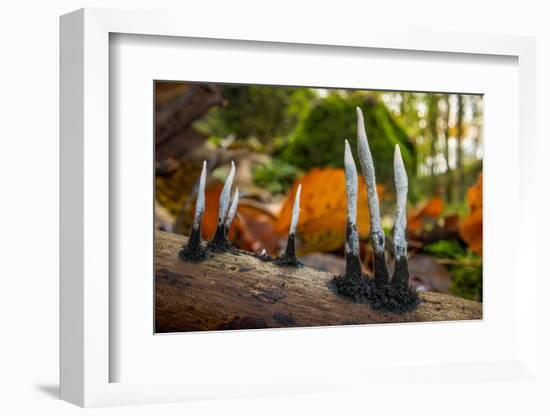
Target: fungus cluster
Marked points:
381	292
226	213
194	251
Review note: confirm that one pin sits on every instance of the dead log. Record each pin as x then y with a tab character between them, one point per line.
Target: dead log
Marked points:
240	291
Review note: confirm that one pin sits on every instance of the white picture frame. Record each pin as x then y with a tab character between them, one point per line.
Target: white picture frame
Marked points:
86	353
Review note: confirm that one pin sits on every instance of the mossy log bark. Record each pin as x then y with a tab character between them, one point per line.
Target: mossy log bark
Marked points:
240	291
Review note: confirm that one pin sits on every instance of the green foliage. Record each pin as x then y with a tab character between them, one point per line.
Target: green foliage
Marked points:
467	277
467	282
261	112
276	176
446	248
318	140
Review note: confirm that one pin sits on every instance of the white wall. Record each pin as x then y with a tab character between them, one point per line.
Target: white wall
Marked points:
29	168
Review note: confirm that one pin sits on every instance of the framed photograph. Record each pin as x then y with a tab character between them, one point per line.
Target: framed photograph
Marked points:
281	213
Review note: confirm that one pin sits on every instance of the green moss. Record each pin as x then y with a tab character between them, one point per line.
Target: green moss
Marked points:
257	111
318	139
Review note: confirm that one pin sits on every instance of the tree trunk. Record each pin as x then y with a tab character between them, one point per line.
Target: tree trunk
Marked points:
433	112
240	291
448	173
459	153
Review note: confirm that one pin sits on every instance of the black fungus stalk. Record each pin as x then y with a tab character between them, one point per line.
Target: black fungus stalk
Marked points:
194	251
289	258
381	275
353	261
220	241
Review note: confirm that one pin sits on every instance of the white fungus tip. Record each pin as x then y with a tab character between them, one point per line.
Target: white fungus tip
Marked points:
349	162
400	174
232	208
347	148
224	196
362	134
397	158
295	211
351	182
199	206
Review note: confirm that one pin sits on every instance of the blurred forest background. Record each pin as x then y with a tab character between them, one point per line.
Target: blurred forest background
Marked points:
282	136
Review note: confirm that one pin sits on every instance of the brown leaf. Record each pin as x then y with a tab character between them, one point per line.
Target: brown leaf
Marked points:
257	228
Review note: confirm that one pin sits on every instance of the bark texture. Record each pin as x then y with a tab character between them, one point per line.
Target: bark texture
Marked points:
240	291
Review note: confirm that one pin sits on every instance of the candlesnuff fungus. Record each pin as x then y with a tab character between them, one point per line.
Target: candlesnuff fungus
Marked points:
401	271
353	261
381	275
381	293
194	251
400	297
289	256
220	242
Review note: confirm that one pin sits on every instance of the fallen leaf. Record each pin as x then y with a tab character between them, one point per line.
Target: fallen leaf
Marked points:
251	230
471	229
256	228
210	215
430	210
322	224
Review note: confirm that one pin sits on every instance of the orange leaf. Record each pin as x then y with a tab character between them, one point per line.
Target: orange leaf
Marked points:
210	215
471	229
322	224
430	209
